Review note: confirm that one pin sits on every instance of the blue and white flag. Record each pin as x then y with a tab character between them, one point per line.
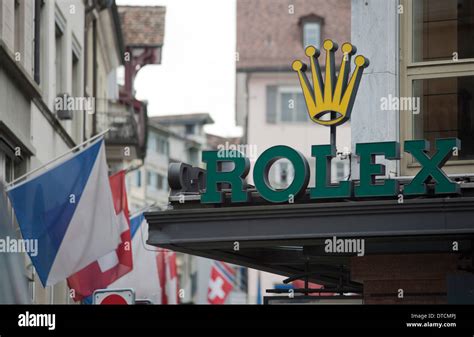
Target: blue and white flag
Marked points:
69	210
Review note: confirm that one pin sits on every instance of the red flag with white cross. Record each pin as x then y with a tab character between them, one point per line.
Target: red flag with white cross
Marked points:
168	276
110	267
221	282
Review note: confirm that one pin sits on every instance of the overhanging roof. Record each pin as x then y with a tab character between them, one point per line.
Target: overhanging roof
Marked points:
289	239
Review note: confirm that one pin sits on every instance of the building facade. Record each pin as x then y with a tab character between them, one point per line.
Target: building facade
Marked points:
42	57
171	139
428	63
418	245
270	105
57	89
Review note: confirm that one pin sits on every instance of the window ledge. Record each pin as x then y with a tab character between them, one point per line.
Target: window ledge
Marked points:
449	163
439	63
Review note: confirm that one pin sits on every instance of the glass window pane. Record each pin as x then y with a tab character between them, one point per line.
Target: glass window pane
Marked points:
151	142
287	105
138	181
301	111
312	34
442	29
159	182
447	110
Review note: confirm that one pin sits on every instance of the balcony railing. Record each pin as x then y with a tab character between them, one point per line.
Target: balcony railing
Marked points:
123	127
127	125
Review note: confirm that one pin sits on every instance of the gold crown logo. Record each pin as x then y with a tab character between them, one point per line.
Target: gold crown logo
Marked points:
332	97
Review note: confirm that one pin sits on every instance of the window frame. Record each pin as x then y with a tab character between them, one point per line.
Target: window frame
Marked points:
308	19
188	128
411	71
312	22
294	91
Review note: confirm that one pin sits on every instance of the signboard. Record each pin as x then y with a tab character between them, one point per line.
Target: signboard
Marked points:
114	296
367	186
329	103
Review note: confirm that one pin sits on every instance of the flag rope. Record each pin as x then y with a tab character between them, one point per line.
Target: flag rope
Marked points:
11	183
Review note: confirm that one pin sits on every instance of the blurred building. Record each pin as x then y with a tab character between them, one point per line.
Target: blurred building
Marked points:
170	139
214	142
42	57
271	34
141	41
54	52
419	50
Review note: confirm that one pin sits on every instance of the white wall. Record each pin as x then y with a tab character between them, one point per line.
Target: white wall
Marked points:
73	13
298	135
375	33
7	22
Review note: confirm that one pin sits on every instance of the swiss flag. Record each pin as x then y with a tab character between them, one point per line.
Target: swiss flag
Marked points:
107	269
168	276
221	282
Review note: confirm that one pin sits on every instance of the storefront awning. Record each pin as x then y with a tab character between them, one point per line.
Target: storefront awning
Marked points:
290	239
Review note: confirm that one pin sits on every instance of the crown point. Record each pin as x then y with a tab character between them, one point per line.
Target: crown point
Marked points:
348	48
361	61
329	45
298	65
312	51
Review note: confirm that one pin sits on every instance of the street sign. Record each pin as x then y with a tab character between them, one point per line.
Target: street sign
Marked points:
114	296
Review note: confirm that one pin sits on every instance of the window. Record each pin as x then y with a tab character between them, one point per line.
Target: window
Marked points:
158	144
284	173
8	170
190	129
443	29
437	74
310	26
11	167
43	37
151	142
138	178
156	181
286	105
340	170
163	146
59	61
312	34
281	173
150	179
76	75
447	110
193	155
18	32
159	182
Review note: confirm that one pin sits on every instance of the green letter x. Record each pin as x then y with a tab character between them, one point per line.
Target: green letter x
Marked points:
431	167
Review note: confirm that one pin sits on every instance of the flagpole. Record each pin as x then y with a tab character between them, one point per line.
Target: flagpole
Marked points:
54	159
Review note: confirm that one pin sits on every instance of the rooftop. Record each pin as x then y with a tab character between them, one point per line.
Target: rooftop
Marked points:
269	36
214	140
143	25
